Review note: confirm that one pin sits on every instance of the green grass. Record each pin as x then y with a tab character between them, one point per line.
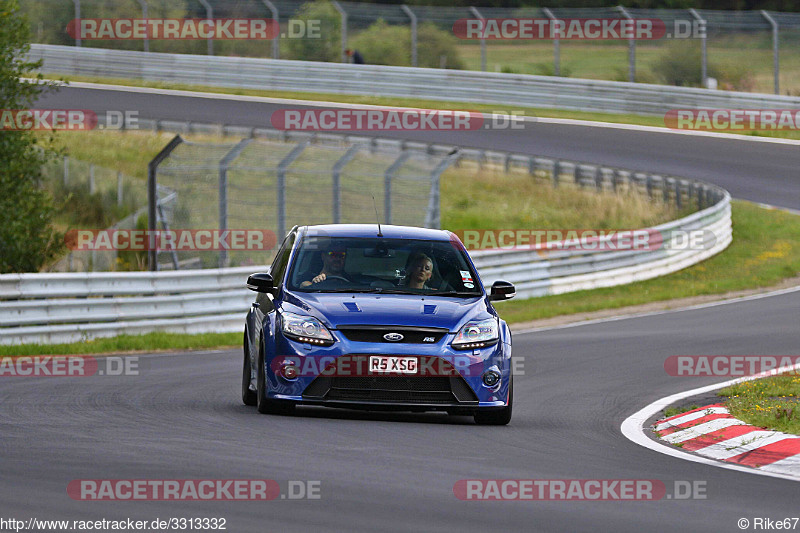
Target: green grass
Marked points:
616	118
748	263
672	411
772	403
130	343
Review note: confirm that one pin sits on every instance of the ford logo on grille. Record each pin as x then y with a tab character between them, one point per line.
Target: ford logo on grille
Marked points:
393	337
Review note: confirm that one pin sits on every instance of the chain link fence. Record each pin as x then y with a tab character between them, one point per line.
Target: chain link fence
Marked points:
736	50
265	185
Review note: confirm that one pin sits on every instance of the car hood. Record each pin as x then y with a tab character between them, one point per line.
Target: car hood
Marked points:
336	310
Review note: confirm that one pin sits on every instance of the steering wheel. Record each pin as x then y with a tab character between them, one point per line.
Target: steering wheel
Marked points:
333	281
334	277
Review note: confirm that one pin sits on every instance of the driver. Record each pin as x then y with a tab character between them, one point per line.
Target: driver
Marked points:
332	265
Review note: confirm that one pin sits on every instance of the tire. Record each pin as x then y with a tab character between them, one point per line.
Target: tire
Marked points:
497	417
248	397
265	405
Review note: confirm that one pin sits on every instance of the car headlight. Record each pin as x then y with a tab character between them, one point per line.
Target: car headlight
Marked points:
305	329
477	334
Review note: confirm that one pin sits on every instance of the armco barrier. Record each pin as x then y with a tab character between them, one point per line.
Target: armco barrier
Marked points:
376	80
67	307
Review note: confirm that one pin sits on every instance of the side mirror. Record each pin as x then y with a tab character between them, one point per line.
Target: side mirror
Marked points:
502	290
261	282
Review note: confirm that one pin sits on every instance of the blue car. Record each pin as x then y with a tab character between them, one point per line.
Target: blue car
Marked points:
377	317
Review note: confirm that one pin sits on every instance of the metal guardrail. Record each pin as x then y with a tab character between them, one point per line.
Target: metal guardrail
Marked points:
68	307
376	80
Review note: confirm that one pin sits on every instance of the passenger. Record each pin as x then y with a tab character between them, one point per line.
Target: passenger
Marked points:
418	272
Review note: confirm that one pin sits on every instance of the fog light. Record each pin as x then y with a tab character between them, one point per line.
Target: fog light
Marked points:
289	372
491	378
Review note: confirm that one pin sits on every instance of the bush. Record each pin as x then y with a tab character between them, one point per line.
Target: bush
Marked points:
386	44
382	44
681	65
433	43
328	46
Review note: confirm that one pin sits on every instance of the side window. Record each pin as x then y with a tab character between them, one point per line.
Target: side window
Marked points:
281	260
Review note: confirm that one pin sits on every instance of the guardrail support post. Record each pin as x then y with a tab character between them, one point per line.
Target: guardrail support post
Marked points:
274	13
209	16
343	14
631	48
152	198
282	167
413	18
337	172
483	37
775	66
556	46
556	173
703	48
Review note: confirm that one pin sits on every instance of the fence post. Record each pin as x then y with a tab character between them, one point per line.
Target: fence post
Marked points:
775	67
387	184
703	48
343	14
143	3
413	18
275	16
224	163
78	26
66	170
631	48
282	167
433	216
483	37
91	179
119	188
337	172
152	199
556	46
209	16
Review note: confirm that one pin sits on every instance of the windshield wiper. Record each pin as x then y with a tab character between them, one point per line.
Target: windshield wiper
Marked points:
353	289
453	293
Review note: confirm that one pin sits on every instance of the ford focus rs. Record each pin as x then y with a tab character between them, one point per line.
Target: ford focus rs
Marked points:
379	318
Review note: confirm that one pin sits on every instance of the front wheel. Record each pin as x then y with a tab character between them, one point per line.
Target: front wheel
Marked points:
497	417
265	405
248	396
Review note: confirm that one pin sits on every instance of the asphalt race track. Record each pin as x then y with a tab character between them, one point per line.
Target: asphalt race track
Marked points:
182	418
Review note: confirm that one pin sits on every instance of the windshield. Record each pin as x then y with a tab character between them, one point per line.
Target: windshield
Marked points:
374	264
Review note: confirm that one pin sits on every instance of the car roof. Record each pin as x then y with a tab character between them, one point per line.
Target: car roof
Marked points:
371	230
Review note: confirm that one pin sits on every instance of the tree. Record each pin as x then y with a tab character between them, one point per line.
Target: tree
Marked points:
27	237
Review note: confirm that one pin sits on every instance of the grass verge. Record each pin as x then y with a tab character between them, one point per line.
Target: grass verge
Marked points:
772	403
748	263
617	118
745	264
130	343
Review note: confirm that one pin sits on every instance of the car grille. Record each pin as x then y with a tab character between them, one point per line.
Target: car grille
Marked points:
422	389
410	335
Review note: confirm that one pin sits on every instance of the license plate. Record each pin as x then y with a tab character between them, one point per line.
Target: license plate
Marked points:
385	364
